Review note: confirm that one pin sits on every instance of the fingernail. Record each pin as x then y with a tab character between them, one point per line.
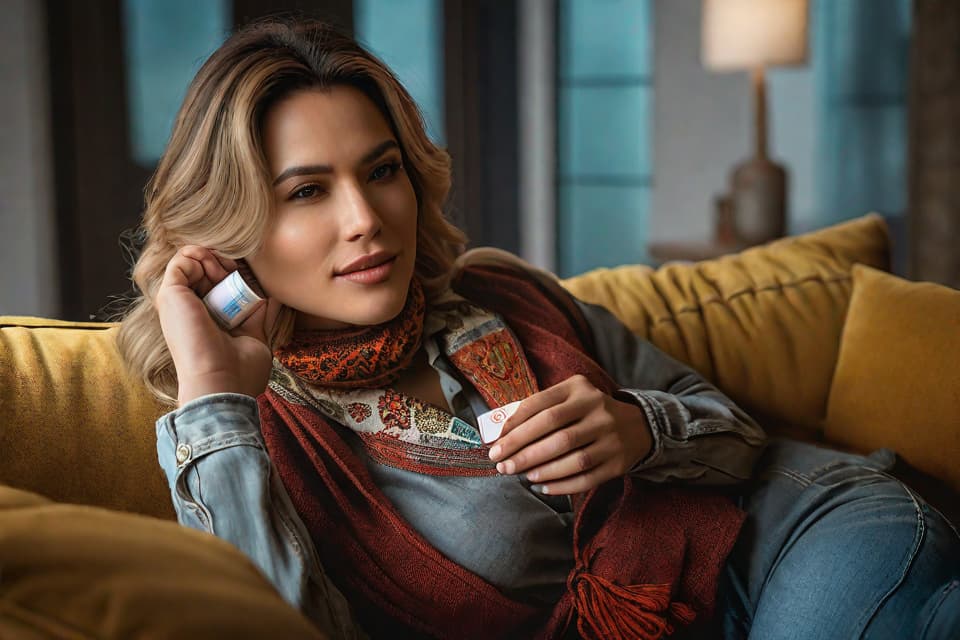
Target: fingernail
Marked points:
500	467
533	476
495	453
509	467
540	488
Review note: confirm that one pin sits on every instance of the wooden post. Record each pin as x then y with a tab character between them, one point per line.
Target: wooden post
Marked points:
934	142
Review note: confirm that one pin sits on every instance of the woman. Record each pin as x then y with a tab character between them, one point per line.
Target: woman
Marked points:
333	435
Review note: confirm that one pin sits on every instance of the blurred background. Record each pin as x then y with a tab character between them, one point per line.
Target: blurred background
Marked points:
584	133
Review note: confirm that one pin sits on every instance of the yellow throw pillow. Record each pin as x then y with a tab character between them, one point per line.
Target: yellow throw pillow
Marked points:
764	324
82	572
74	426
897	383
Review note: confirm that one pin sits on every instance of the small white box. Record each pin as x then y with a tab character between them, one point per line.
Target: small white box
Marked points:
491	422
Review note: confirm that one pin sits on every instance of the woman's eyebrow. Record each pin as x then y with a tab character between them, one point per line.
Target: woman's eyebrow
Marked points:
313	169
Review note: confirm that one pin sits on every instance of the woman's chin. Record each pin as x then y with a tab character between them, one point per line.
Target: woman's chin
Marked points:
360	313
385	313
371	319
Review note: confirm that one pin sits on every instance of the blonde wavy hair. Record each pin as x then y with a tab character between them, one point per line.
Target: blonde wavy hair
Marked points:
212	184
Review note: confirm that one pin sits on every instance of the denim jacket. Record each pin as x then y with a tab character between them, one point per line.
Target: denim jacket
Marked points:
222	480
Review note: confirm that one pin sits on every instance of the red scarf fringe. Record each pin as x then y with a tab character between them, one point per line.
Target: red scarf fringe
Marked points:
608	610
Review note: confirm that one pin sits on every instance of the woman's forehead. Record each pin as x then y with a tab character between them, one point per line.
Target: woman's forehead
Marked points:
333	126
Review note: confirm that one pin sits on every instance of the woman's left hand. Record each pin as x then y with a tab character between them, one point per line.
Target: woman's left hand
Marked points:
572	437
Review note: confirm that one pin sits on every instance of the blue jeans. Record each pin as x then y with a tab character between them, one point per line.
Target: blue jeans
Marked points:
834	547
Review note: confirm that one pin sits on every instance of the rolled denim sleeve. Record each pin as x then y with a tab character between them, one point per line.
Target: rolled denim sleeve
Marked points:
700	436
222	482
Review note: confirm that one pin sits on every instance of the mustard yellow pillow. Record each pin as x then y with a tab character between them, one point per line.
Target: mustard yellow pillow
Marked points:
74	426
897	383
764	324
82	572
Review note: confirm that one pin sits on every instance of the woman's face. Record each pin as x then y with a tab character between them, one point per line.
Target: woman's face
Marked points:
341	247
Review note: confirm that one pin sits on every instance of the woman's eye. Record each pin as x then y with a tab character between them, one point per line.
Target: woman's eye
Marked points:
306	192
385	170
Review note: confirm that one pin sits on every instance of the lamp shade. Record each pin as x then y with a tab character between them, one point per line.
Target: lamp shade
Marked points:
743	34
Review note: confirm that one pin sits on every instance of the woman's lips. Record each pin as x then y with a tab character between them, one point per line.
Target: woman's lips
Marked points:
373	275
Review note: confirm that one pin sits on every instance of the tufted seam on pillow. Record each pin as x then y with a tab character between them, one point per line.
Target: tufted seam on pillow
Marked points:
41	623
737	294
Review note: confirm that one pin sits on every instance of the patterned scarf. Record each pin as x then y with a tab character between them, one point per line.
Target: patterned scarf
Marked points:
362	357
403	431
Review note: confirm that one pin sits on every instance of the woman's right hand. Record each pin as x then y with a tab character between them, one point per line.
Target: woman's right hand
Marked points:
209	359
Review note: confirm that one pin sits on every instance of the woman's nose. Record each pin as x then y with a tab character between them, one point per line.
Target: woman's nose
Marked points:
360	218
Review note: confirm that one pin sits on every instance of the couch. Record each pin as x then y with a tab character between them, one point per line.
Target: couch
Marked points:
810	334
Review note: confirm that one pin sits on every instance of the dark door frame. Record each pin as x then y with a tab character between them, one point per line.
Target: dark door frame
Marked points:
482	115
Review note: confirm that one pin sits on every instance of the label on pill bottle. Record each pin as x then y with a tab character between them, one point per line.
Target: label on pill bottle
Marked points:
232	301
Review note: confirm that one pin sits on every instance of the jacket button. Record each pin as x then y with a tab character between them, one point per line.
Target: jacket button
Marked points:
183	453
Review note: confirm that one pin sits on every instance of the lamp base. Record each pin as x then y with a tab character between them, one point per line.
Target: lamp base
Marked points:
758	198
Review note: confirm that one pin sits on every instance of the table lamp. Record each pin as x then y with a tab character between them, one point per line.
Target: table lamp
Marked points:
755	35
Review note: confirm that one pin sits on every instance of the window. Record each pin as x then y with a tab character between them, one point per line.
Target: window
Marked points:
407	35
604	94
166	42
860	53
